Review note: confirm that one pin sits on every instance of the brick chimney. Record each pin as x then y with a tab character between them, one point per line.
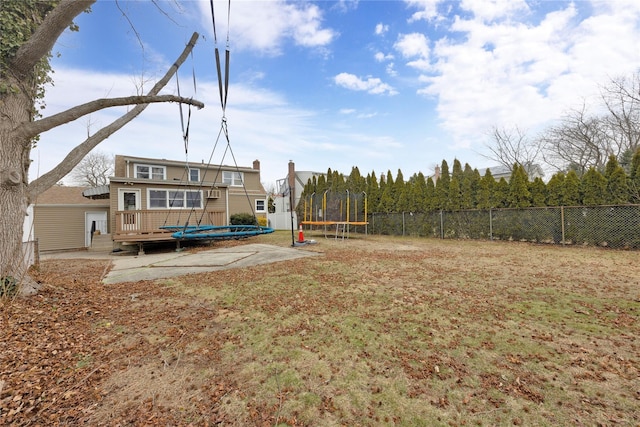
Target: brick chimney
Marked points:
436	174
256	164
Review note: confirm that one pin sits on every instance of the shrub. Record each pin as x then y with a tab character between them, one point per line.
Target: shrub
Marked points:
8	286
243	219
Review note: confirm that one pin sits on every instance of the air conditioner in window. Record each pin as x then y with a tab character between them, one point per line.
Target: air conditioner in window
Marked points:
213	194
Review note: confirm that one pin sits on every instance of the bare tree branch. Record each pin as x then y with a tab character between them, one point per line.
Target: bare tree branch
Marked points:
77	154
31	129
578	142
622	100
512	146
94	170
46	35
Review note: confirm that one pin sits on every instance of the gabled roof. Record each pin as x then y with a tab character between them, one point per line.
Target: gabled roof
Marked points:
63	195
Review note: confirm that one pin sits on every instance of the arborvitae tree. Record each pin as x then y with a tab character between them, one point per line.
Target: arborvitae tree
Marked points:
322	185
389	179
538	191
373	191
617	185
571	195
519	196
475	186
593	188
469	187
386	203
403	194
418	192
429	203
485	193
456	170
454	202
400	196
634	178
611	165
500	194
356	183
442	186
555	190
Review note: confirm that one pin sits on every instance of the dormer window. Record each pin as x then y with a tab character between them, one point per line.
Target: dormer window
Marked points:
150	172
232	178
194	175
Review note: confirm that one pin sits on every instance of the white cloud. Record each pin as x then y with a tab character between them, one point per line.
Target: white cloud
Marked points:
381	29
489	10
413	45
265	26
381	57
525	74
391	70
371	85
428	9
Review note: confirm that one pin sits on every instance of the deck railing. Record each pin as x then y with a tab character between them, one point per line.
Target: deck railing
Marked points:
138	225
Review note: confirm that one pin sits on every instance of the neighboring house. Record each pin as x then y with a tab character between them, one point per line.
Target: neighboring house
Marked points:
288	192
533	171
500	171
146	194
62	219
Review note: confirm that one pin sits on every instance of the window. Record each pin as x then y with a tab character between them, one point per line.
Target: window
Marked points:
232	178
165	199
194	199
157	199
176	199
260	206
150	172
194	175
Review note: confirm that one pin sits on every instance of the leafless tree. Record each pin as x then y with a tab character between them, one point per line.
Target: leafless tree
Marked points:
510	146
579	141
24	48
622	100
94	170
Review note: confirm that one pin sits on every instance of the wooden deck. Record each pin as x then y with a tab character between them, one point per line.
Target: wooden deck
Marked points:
145	226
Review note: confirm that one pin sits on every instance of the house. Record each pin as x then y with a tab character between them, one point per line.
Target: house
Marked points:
288	192
62	219
148	194
500	171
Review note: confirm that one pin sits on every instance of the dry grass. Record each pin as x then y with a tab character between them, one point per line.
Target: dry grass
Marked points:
385	331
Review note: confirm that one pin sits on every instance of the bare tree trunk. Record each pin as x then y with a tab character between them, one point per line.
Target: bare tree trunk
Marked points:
15	108
16	132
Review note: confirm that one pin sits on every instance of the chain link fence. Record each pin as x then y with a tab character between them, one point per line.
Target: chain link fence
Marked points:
605	226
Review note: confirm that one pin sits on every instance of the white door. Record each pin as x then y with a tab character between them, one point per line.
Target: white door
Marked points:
94	221
129	200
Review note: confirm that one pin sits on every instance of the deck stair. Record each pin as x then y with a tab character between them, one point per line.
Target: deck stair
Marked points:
101	243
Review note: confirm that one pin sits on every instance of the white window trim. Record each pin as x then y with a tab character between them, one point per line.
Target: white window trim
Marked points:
167	191
150	166
197	170
264	204
233	178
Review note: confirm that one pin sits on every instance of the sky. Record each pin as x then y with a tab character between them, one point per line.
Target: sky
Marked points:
379	85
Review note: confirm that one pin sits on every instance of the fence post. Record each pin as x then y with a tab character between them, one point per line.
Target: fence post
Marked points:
490	224
562	221
441	224
373	221
402	223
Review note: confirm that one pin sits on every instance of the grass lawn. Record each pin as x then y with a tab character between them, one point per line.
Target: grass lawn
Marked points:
375	330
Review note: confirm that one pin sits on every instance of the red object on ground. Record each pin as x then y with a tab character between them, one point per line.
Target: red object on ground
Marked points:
300	235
